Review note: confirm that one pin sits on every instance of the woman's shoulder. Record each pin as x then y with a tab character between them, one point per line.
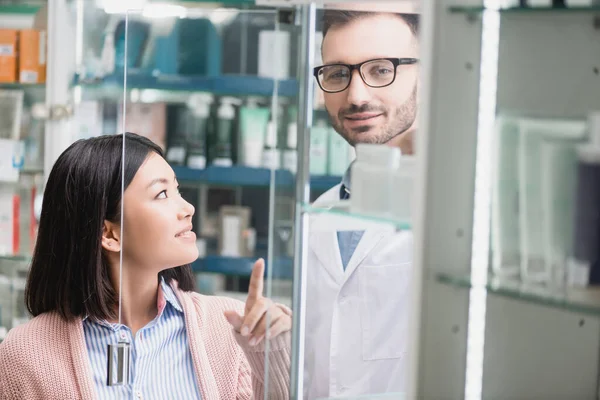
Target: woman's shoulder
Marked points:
38	338
39	330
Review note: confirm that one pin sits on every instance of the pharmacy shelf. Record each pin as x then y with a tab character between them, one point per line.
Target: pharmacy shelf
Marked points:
23	86
146	88
338	216
24	9
579	300
247	176
242	267
525	10
218	2
16	259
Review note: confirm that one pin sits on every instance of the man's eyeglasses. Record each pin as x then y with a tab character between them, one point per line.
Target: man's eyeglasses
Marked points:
377	73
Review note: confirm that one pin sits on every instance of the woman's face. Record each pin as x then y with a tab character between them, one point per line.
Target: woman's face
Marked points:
157	220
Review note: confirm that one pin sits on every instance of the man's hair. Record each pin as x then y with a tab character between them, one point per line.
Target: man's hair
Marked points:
336	18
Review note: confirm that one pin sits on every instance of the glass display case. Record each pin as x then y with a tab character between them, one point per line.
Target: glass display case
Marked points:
509	302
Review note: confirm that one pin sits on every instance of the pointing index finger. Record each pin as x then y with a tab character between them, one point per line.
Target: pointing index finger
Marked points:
255	289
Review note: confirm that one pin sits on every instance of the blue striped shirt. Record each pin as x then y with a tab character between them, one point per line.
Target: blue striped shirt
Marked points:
161	361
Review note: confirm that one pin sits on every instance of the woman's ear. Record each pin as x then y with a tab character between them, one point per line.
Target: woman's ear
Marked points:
110	237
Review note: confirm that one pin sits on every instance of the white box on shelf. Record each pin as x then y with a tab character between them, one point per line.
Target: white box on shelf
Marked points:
274	54
12	159
11	110
9	221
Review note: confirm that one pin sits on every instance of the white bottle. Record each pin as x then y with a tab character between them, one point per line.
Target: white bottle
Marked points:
271	155
337	154
374	180
290	155
108	53
319	137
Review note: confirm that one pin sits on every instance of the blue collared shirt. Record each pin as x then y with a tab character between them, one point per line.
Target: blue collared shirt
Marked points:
347	240
161	361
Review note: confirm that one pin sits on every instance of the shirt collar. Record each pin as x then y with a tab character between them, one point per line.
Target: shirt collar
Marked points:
170	296
346	182
165	295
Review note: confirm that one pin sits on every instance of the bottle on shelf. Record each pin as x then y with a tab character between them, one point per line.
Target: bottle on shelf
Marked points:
198	125
223	155
252	131
584	266
271	155
178	137
290	154
319	136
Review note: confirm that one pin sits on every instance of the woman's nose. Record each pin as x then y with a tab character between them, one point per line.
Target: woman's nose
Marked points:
187	210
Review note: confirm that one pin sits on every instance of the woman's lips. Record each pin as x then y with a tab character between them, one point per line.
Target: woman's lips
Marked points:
190	236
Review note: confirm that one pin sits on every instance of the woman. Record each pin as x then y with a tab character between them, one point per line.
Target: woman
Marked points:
182	343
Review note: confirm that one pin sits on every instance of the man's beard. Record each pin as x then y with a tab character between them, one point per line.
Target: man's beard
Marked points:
402	119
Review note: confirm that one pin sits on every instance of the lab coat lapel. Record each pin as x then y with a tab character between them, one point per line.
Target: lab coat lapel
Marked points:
367	243
325	245
323	240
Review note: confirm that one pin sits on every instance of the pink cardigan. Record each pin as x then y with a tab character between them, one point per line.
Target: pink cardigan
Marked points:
46	358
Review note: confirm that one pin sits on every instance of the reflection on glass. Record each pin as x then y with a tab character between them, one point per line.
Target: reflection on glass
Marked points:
359	273
222	125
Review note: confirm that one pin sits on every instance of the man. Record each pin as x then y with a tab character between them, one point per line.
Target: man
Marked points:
358	281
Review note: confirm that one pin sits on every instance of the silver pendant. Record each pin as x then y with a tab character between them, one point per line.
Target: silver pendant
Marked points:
119	357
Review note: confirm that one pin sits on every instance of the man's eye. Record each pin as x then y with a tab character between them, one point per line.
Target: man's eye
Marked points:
162	195
338	75
381	71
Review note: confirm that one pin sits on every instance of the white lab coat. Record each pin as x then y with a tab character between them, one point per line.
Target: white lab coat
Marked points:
356	320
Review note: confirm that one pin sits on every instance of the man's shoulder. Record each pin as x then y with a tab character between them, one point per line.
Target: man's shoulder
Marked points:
330	195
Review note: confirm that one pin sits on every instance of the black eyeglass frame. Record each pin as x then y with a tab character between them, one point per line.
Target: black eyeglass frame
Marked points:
395	61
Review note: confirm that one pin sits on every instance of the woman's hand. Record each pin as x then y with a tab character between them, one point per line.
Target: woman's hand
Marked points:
260	312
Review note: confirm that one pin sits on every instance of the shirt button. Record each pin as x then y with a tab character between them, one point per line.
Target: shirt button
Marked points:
123	335
138	394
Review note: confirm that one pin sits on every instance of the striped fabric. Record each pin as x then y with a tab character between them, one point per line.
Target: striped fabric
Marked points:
161	362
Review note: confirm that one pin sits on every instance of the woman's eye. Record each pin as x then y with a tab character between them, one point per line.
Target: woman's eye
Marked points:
162	195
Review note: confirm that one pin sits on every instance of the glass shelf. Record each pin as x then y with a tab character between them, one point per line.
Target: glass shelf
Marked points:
190	3
17	258
339	217
385	396
242	266
247	176
30	8
177	89
580	300
524	10
23	86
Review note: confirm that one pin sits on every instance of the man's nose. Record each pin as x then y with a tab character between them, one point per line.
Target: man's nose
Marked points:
358	91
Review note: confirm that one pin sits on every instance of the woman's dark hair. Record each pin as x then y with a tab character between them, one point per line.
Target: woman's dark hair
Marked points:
334	18
69	273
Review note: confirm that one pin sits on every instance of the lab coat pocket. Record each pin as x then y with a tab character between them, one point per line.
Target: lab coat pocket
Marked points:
383	309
